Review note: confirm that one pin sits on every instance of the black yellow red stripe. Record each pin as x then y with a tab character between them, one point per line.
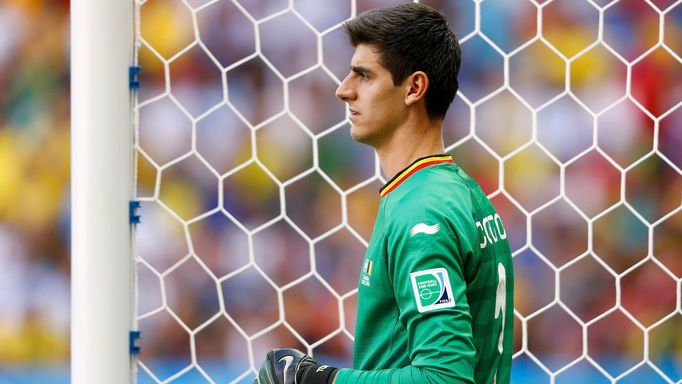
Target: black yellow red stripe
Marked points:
418	164
368	267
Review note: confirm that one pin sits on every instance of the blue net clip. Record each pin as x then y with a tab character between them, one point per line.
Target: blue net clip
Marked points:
133	205
134	342
134	81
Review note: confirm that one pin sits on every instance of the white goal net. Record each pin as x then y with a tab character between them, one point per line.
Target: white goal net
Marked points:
256	206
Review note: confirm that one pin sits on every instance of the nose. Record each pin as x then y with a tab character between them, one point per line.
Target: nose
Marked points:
344	92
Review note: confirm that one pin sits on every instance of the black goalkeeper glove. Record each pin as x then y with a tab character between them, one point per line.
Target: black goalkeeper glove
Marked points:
289	366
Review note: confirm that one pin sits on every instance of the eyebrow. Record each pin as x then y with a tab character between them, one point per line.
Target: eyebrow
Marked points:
361	70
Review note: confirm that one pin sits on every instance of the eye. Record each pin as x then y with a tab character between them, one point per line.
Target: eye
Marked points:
360	74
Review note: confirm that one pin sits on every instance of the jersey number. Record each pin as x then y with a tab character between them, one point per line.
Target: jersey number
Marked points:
501	300
500	306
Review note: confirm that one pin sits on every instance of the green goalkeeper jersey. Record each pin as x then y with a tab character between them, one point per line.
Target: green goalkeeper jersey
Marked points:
435	297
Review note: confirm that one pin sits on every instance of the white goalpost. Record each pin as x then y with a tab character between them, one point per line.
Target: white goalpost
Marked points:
101	188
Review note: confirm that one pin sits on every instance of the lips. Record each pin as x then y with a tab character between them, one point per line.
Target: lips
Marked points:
353	114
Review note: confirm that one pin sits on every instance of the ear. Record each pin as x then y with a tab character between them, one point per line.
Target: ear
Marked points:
416	84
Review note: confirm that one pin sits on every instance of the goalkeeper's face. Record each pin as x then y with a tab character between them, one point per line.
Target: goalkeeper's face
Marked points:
376	106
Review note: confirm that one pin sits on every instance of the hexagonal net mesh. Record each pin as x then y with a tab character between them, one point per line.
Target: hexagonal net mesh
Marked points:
257	206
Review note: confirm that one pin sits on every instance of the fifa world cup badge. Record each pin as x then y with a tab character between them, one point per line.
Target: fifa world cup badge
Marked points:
432	289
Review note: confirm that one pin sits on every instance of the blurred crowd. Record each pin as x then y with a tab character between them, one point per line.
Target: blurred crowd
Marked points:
244	236
34	181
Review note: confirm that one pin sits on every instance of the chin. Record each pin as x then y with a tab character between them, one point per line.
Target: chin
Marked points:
361	137
365	135
356	134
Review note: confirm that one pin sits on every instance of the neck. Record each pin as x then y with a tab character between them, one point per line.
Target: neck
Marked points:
408	143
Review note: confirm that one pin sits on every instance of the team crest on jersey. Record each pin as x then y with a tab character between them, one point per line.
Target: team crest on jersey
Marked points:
432	289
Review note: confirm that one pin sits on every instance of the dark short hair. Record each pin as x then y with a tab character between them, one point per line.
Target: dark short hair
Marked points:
413	37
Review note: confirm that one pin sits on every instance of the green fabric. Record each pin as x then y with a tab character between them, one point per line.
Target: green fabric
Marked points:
454	342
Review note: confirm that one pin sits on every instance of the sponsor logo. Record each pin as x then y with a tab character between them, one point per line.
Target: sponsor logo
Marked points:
423	228
287	363
432	289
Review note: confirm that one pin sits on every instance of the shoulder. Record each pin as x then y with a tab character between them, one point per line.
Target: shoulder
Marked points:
435	195
433	216
441	188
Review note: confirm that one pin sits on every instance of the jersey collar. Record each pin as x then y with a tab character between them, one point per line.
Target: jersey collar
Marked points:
408	171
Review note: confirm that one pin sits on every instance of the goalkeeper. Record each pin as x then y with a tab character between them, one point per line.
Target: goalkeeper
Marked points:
435	296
